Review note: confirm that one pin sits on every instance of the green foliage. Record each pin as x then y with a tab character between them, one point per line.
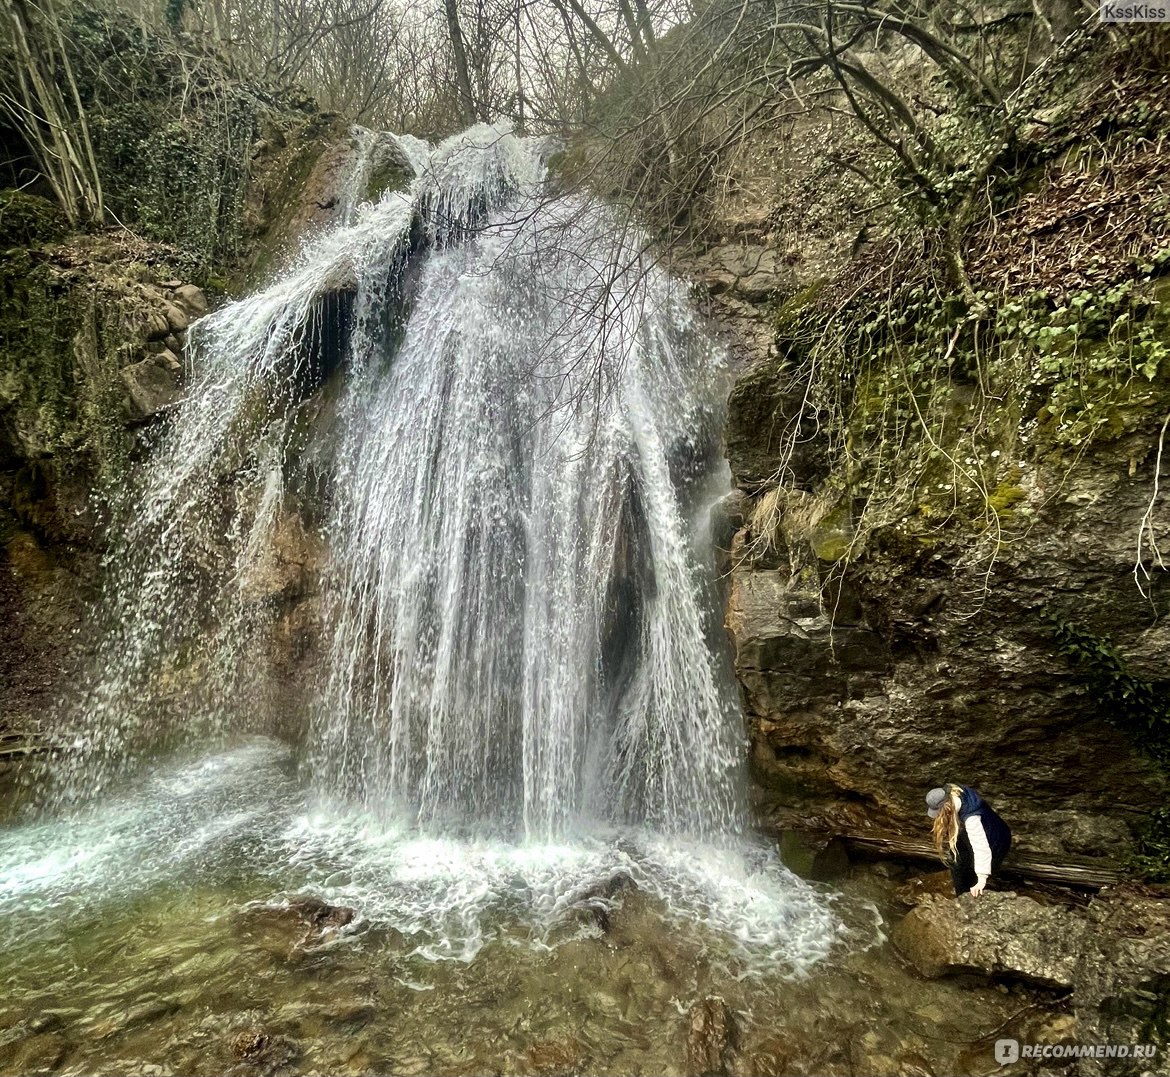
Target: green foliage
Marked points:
179	157
1096	361
935	406
1137	706
26	220
171	131
1151	858
57	398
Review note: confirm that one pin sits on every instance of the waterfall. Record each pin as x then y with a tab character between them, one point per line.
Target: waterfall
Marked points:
514	607
486	425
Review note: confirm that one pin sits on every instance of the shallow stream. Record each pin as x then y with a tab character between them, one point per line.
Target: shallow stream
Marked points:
215	918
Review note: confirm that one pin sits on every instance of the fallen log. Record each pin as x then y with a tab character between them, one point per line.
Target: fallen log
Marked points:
21	750
1066	871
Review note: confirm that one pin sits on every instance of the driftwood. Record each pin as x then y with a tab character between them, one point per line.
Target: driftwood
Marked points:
1066	871
17	745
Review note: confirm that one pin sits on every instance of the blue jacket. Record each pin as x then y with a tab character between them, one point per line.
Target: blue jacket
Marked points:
999	835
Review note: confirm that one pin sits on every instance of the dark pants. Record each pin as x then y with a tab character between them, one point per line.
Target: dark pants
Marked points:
963	869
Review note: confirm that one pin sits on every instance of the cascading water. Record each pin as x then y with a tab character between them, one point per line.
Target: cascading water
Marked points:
515	607
500	417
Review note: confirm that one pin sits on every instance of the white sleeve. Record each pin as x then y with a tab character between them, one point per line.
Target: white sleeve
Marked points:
979	845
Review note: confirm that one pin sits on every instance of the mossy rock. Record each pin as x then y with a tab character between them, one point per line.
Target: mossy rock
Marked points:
792	309
60	394
832	538
389	174
27	220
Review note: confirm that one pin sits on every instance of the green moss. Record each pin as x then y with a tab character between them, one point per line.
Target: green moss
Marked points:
282	199
833	536
27	221
1151	859
60	393
389	175
1004	497
792	309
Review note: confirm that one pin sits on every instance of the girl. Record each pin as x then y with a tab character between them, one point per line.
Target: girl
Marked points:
970	837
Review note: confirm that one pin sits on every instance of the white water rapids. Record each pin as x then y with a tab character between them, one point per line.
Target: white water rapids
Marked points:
499	421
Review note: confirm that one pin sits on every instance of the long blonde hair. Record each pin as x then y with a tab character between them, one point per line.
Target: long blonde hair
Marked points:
946	826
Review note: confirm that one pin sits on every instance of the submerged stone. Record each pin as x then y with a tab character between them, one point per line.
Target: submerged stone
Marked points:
710	1038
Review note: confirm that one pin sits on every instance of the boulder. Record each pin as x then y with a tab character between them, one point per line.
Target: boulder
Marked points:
152	385
291	930
157	326
191	300
1114	955
177	320
997	935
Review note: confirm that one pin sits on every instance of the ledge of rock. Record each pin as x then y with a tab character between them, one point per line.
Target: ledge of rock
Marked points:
1114	955
996	934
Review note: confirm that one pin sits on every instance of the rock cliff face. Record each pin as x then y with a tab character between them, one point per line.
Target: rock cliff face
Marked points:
877	663
1112	955
93	335
868	685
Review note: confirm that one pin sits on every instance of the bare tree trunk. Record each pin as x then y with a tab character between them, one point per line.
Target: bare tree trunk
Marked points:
519	76
56	133
462	72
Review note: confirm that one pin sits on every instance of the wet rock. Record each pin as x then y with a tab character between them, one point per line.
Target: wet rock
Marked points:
814	857
320	915
41	1053
710	1038
342	1011
286	564
259	1052
48	1021
773	1056
556	1056
191	300
994	934
925	887
152	385
124	1018
598	902
289	930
